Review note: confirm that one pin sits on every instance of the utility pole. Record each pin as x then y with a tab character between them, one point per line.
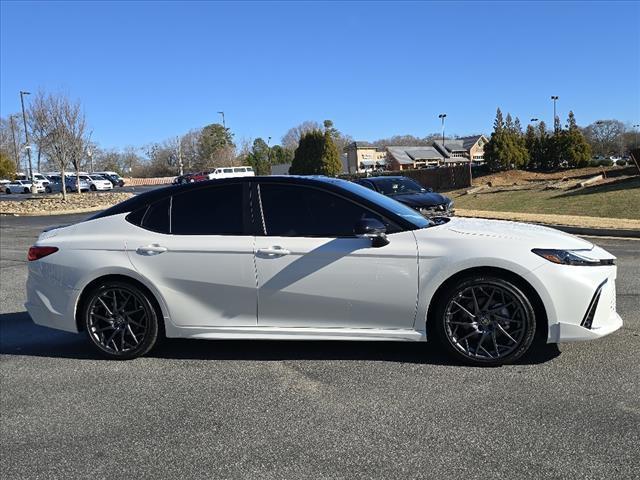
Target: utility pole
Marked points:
637	126
180	156
27	144
224	125
16	155
555	126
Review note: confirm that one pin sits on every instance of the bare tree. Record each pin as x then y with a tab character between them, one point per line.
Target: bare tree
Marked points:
63	125
11	134
604	136
291	139
37	121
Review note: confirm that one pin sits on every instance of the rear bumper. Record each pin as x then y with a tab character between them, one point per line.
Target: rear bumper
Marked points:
50	303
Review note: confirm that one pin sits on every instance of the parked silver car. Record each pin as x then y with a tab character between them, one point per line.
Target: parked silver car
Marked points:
55	184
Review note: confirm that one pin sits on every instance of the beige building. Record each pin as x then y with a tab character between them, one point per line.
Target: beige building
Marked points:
451	152
362	157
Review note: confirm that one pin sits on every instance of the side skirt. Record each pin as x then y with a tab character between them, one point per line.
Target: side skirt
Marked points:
287	333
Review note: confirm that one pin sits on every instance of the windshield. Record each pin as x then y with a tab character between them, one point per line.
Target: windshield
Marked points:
388	203
97	177
397	186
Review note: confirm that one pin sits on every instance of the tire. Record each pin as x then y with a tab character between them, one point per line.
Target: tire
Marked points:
26	190
47	189
120	320
484	321
8	191
93	188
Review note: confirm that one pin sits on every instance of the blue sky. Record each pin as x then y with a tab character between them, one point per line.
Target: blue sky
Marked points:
151	70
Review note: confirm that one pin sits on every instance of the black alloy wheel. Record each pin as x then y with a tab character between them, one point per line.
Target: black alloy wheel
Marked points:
485	320
120	320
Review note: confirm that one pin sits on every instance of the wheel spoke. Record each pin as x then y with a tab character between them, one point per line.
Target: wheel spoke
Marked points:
105	306
504	332
464	309
135	339
476	307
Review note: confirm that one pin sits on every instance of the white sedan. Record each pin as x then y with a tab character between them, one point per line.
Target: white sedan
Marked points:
97	182
317	259
21	186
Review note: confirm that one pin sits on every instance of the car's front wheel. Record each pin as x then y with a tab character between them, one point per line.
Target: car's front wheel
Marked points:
485	320
120	320
93	188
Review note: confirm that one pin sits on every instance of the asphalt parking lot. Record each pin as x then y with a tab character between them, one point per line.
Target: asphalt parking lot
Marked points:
275	410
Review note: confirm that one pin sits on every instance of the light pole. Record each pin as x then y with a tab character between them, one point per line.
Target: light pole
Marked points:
269	153
555	99
636	126
224	125
442	116
26	137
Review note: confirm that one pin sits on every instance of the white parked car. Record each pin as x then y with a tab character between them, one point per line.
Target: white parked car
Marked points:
39	180
97	182
231	172
21	186
315	259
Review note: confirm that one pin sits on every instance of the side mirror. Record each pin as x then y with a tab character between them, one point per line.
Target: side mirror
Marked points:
373	229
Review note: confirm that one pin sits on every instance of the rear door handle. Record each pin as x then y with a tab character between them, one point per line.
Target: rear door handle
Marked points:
276	251
153	249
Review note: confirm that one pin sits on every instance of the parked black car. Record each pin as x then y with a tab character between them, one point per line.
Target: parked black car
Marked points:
412	194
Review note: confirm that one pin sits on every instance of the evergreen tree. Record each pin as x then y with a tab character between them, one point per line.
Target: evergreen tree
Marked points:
308	156
506	147
533	145
317	153
576	151
258	158
331	164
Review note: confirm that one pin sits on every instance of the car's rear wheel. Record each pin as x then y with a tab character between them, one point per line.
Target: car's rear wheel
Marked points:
484	320
8	191
120	320
47	189
26	190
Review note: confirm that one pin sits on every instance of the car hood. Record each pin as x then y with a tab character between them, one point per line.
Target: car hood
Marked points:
416	200
534	235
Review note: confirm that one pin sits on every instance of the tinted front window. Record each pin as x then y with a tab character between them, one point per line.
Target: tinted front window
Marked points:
297	211
386	203
208	211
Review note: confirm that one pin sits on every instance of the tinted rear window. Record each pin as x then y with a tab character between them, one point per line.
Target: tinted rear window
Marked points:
156	217
208	211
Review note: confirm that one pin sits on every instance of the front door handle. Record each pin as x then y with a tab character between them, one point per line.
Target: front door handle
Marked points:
275	251
153	249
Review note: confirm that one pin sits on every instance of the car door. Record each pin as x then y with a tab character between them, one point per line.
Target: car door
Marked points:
196	248
313	272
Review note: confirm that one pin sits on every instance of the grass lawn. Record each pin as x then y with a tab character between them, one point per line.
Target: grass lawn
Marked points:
618	200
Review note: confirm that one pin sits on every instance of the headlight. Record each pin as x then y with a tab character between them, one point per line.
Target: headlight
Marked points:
450	205
571	257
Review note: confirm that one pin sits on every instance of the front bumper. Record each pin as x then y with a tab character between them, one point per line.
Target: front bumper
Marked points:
580	301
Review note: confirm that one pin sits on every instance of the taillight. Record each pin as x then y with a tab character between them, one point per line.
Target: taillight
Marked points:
36	253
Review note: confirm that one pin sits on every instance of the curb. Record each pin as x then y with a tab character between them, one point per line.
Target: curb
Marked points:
596	232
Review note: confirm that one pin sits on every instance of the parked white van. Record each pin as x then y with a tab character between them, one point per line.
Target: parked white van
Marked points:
229	172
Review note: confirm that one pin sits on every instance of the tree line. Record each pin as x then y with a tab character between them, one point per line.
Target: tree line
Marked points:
567	146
